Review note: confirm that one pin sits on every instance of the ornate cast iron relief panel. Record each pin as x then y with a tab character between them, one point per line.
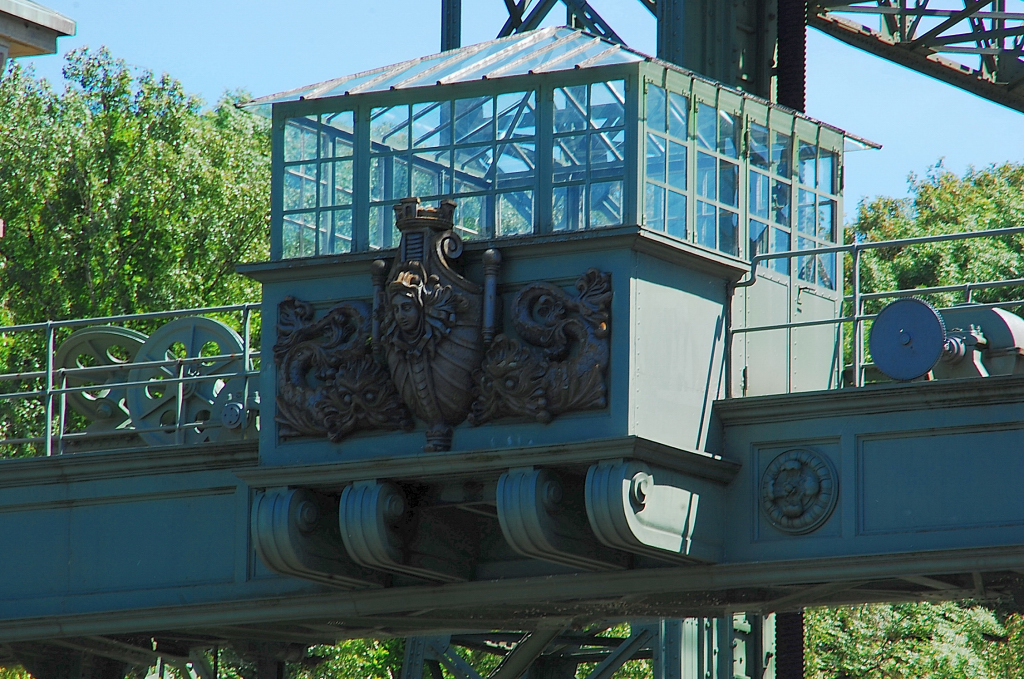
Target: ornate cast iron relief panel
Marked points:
560	363
799	489
430	347
328	381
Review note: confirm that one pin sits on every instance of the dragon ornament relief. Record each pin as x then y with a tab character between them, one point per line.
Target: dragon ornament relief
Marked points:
429	347
561	361
352	391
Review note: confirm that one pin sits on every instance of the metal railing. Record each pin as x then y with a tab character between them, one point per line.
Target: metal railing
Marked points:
856	298
105	383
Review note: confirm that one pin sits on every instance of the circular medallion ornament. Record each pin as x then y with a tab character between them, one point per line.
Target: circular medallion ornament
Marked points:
799	490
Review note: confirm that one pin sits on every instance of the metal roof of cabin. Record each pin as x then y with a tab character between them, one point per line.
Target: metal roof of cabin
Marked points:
557	48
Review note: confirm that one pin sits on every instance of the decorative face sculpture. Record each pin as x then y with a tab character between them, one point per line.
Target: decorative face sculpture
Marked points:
407	311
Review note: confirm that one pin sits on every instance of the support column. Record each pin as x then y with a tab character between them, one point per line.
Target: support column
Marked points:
451	24
789	645
792	60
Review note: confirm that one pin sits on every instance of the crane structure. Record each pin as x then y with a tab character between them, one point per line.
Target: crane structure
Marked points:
554	335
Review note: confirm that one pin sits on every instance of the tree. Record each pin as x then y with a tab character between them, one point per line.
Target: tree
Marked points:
941	203
122	195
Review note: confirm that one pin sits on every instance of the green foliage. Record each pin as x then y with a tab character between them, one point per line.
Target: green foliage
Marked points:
942	203
121	195
356	659
938	641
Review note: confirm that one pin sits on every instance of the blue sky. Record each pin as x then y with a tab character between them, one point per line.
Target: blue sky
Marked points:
266	46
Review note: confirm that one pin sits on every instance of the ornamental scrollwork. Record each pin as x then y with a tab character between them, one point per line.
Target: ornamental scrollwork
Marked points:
429	349
328	383
559	362
799	489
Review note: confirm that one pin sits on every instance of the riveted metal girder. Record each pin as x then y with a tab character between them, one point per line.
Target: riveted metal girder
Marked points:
975	45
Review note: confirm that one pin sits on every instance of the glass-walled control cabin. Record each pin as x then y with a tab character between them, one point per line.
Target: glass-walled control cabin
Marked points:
557	131
553	131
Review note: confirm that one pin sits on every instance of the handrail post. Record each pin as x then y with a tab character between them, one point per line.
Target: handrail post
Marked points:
49	387
246	321
179	431
858	327
62	415
730	290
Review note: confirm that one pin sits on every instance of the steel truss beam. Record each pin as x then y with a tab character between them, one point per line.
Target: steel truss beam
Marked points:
916	34
586	17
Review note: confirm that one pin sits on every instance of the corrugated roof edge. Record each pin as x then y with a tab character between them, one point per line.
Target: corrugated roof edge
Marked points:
327	85
260	104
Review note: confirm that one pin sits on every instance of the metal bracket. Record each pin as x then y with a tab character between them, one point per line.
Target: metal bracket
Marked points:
655	512
541	518
376	526
295	533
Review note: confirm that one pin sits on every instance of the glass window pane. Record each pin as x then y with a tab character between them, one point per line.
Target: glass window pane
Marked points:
728	183
782	154
676	222
300	139
706	226
781	194
299	187
431	173
728	232
605	204
390	126
805	265
431	124
827	271
728	134
654	207
474	120
807	164
377	177
656	156
517	115
607	104
473	167
707	127
570	158
336	231
515	213
570	111
567	207
517	165
805	213
656	121
298	235
780	243
827	171
707	176
472	216
336	135
399	178
336	183
826	220
677	165
678	115
759	245
758	201
607	154
759	146
383	233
